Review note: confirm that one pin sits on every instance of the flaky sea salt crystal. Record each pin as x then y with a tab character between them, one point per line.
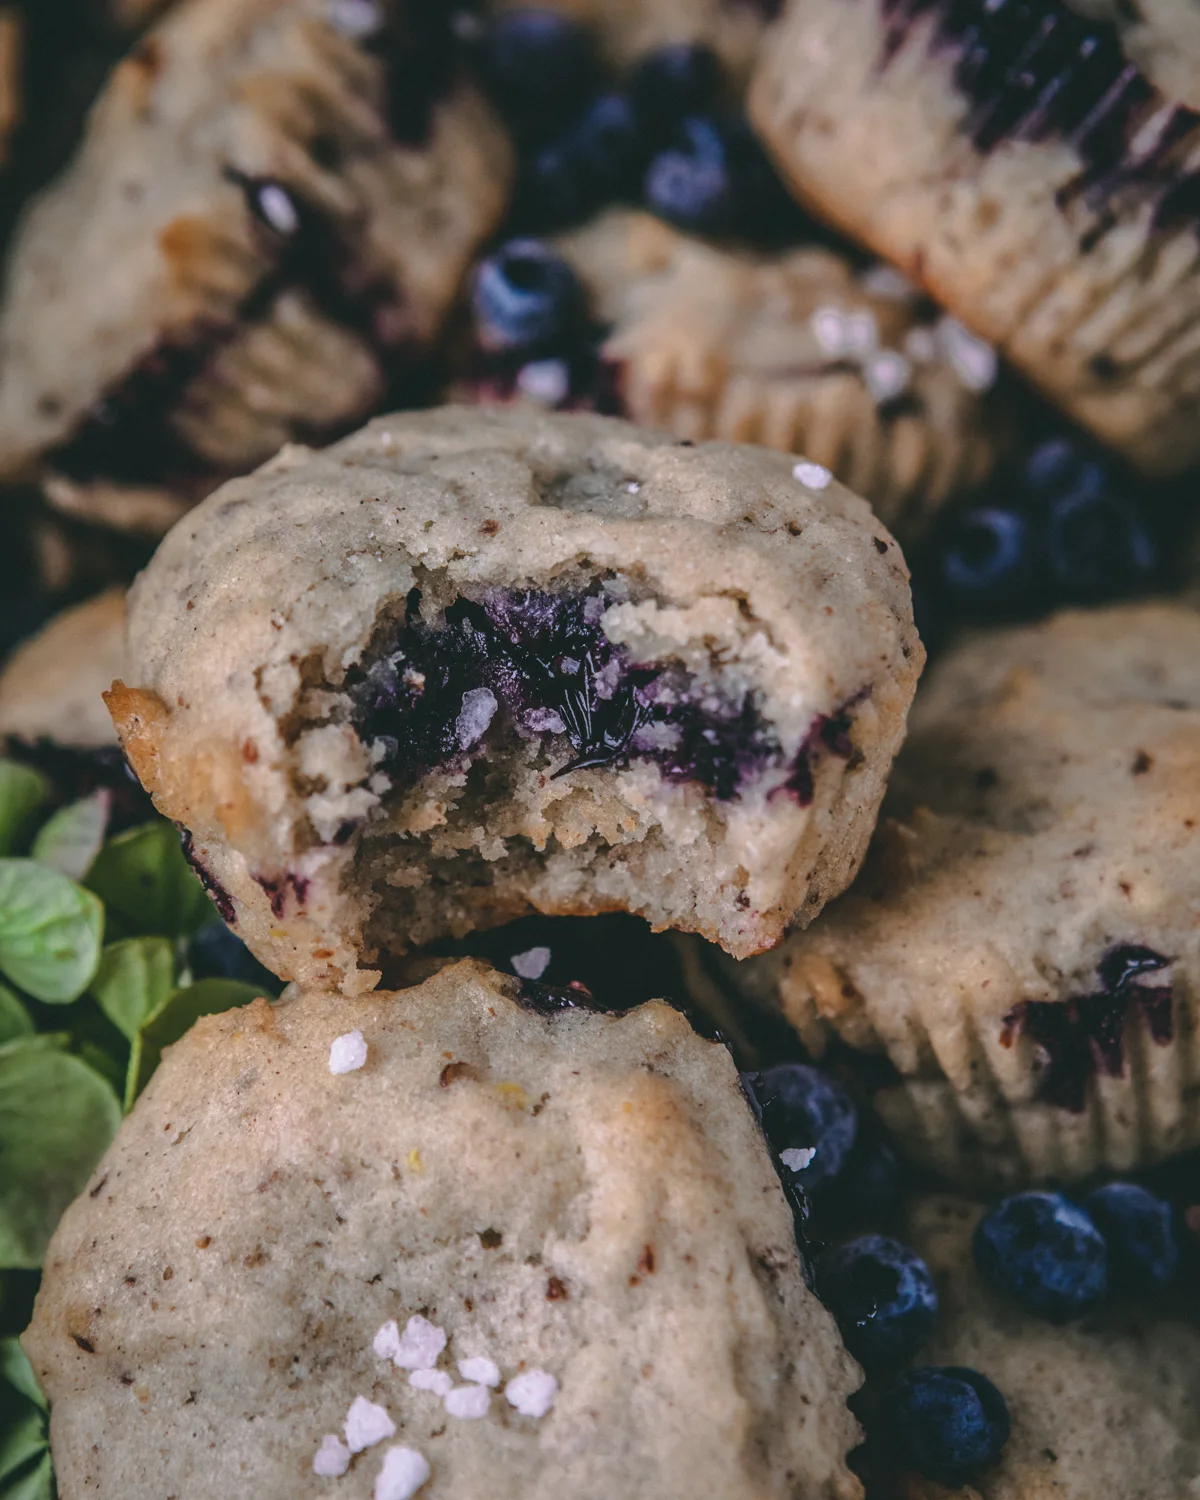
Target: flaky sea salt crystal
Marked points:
532	1393
366	1424
815	476
386	1343
420	1344
547	381
972	360
347	1052
796	1158
332	1457
436	1381
531	964
404	1472
468	1401
481	1370
479	707
887	375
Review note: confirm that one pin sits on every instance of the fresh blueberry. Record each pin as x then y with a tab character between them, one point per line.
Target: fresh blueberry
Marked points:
882	1297
592	162
1097	547
539	67
526	299
691	183
946	1422
673	82
987	558
1045	1252
216	953
1139	1230
810	1121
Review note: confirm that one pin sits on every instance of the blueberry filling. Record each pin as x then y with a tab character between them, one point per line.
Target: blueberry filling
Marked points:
1081	1037
882	1297
1034	70
1045	1253
541	663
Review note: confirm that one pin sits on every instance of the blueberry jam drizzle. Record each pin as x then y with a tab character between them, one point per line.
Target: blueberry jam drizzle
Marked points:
543	660
1084	1037
1034	70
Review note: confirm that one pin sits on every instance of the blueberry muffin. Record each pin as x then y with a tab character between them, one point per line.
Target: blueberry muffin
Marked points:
10	79
53	686
1020	165
798	352
627	29
266	223
455	1234
1022	946
469	664
1107	1406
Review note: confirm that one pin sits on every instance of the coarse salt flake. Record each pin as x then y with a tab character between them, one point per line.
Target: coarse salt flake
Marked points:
366	1424
276	206
532	1393
815	476
436	1381
972	360
468	1401
547	381
887	374
796	1158
420	1344
332	1458
479	707
480	1370
404	1472
386	1343
347	1052
531	964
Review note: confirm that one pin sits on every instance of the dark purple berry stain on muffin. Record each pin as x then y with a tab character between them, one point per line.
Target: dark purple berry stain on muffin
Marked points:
220	897
1034	70
276	888
542	664
1084	1037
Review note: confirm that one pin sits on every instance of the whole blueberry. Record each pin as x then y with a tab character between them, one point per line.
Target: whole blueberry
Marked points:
1139	1230
1045	1252
946	1422
525	298
690	182
809	1120
539	67
1097	547
871	1183
882	1297
986	558
593	161
216	953
673	82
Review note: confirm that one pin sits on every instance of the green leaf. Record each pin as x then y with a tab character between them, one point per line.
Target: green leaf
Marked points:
16	1369
143	877
176	1016
133	980
15	1020
23	791
23	1437
38	1484
70	841
57	1117
50	931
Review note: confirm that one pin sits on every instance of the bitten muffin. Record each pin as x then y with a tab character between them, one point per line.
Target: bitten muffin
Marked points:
1022	943
627	29
797	352
268	218
1107	1406
579	1206
471	663
1019	165
53	686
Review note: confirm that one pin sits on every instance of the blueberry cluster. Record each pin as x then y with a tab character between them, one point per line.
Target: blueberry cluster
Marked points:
1057	1259
946	1423
663	136
1070	526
